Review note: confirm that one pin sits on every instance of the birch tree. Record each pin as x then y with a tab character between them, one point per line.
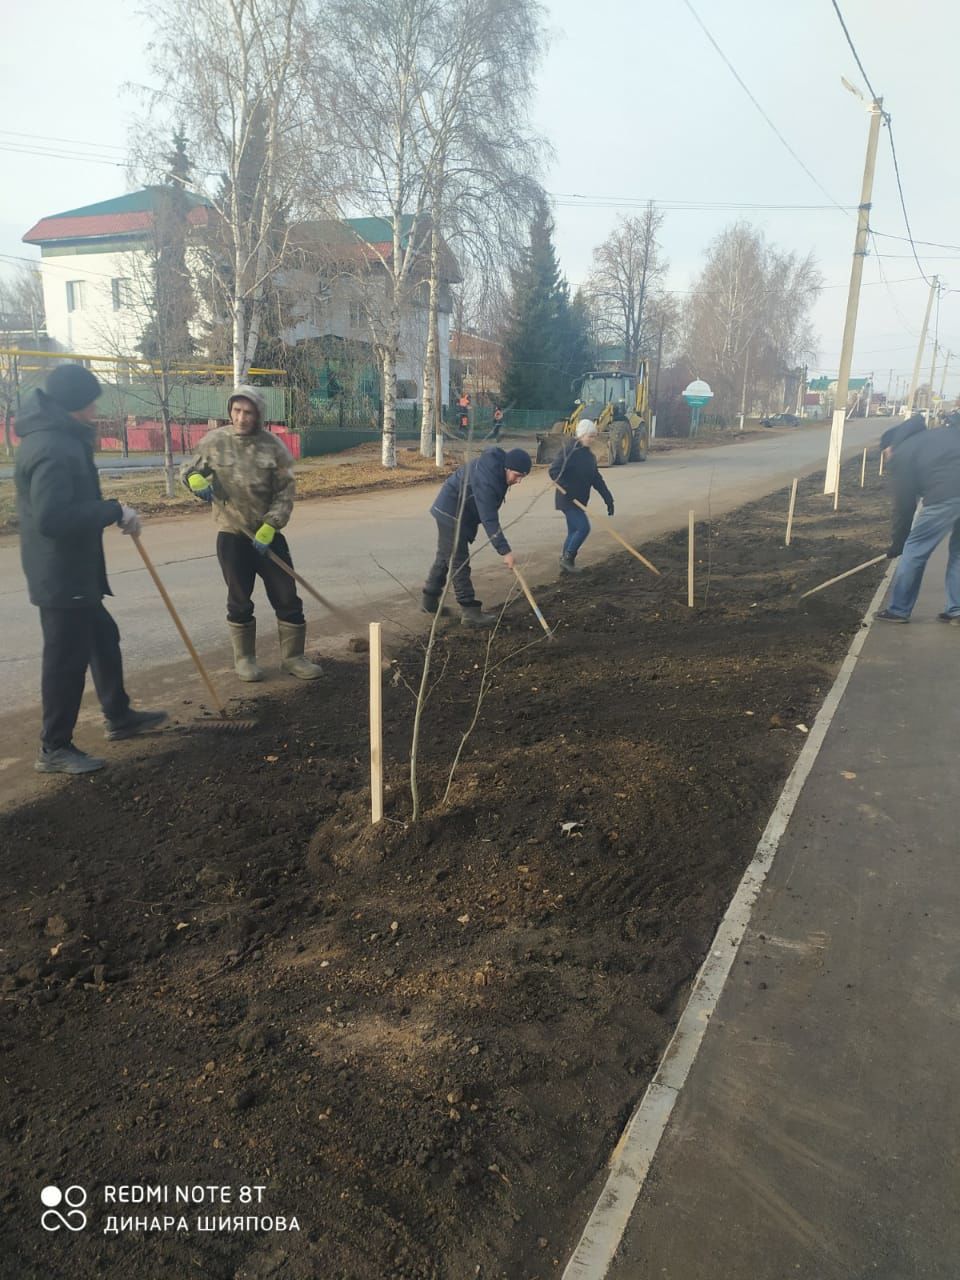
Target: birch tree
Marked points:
483	154
748	316
237	75
628	271
371	61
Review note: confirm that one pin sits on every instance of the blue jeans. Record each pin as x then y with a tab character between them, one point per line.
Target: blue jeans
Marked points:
929	529
578	527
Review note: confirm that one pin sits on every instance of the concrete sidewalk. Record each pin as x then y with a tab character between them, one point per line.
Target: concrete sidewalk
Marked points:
817	1132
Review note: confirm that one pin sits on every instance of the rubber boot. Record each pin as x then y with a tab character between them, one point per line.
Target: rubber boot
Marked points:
473	616
293	636
428	604
243	636
569	565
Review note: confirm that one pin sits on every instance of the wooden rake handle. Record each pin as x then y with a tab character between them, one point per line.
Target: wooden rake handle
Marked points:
204	675
530	600
613	533
327	604
840	576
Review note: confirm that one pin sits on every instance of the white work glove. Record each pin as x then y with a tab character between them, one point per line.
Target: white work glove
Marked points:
129	520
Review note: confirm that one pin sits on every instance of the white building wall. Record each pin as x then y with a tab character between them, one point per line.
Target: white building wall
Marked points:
345	313
94	327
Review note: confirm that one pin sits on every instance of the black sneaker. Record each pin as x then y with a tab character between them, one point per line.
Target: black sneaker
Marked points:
68	759
885	615
133	722
952	618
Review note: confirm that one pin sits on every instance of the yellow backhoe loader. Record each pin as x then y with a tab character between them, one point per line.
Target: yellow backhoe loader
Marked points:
620	406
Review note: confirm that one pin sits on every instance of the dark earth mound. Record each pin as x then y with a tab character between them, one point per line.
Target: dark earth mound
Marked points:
423	1041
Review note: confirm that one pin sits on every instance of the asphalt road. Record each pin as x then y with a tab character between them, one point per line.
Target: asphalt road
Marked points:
350	546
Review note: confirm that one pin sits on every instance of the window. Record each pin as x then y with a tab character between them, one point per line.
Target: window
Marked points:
356	315
75	291
120	289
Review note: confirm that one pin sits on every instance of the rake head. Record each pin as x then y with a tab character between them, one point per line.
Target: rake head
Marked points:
224	726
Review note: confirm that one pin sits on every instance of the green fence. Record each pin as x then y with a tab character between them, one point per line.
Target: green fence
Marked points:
189	402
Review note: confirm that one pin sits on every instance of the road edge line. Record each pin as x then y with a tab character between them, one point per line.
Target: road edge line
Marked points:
634	1152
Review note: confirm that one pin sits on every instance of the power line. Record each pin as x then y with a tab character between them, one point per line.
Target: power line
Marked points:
578	199
740	81
46	137
930	244
903	203
893	149
853	50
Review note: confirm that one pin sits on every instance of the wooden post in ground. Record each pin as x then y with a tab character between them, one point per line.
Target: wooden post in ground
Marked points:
836	493
690	562
880	472
376	724
863	469
793	503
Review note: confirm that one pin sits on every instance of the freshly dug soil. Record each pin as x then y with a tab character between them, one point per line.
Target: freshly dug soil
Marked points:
422	1040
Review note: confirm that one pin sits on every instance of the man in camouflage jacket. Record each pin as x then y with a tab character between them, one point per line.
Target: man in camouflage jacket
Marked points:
246	473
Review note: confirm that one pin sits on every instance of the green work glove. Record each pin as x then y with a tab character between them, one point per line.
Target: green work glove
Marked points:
263	537
200	485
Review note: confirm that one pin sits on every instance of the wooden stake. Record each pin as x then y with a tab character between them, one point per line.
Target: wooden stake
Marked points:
793	503
836	493
863	469
840	576
613	533
880	472
376	724
690	562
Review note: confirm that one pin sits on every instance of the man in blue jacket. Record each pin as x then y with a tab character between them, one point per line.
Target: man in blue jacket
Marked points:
62	516
471	496
576	472
924	464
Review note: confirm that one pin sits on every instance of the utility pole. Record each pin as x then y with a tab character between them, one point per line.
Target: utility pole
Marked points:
802	394
743	393
831	482
933	369
943	376
915	382
866	412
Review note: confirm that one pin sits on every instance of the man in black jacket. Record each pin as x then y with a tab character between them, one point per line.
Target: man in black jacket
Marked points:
62	516
924	464
471	496
575	470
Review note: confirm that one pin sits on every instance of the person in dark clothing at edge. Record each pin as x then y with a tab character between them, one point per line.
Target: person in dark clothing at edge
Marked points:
575	470
62	517
923	464
472	495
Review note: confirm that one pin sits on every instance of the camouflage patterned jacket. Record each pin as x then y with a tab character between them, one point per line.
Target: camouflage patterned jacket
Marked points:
252	478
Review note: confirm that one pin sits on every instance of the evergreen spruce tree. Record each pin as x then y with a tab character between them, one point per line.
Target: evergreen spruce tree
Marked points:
166	336
546	344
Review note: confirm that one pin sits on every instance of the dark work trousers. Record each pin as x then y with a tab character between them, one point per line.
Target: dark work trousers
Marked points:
74	639
240	565
460	556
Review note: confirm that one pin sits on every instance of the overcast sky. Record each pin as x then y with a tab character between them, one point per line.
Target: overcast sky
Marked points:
637	105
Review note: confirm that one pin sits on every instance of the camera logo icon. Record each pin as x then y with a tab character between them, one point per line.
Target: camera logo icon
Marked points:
72	1217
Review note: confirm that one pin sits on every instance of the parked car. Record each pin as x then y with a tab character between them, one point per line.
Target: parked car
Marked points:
781	420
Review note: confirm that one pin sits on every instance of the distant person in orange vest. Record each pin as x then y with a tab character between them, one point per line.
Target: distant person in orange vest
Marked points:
463	404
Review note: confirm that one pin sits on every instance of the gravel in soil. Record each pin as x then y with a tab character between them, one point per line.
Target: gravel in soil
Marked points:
421	1040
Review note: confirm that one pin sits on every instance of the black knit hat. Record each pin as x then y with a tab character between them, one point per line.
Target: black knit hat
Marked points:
518	460
72	387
